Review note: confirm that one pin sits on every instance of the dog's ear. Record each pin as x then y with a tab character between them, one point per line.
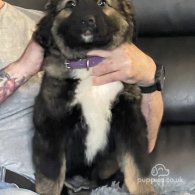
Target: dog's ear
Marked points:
43	34
129	12
50	6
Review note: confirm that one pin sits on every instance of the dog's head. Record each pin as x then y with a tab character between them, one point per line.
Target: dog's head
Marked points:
82	25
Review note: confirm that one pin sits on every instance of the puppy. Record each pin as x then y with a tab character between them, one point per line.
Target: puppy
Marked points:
81	128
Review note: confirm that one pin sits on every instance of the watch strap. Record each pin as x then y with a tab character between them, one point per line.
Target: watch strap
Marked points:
149	89
159	80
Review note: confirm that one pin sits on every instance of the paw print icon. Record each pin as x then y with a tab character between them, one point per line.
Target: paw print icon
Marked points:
160	170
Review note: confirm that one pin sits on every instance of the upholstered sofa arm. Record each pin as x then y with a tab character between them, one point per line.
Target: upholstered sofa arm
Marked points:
165	17
177	54
30	4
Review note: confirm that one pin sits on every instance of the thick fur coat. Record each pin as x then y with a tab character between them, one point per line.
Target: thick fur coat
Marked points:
81	128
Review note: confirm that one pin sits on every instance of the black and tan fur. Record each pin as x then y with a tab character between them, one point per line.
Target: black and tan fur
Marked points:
81	128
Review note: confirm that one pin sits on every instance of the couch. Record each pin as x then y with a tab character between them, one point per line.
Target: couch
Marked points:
166	31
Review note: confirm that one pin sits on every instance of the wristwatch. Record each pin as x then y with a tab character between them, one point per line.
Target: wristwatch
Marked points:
159	80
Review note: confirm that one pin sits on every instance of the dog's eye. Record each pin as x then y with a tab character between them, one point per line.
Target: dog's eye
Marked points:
70	4
101	3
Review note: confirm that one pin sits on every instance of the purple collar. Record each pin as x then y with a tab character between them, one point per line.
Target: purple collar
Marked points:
84	63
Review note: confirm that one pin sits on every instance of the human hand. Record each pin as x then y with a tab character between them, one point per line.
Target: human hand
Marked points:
129	64
126	63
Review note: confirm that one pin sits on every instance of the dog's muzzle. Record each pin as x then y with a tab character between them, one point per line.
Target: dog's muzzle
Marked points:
89	26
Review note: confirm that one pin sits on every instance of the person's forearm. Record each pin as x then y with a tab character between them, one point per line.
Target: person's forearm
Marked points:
152	108
1	4
11	78
17	73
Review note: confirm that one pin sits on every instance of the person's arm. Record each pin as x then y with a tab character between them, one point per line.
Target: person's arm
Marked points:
1	4
129	64
152	108
17	73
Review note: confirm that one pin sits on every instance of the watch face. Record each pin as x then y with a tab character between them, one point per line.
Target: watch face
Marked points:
160	78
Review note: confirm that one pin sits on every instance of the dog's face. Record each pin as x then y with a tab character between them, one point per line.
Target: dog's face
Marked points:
88	24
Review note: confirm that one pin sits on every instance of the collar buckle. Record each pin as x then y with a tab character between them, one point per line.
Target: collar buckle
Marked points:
87	64
67	65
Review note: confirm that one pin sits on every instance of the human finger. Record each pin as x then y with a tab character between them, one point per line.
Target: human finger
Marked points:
108	78
105	67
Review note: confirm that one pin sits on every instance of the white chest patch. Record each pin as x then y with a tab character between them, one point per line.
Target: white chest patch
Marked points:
96	104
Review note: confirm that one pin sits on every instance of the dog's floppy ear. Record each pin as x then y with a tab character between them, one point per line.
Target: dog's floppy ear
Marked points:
43	34
50	6
129	12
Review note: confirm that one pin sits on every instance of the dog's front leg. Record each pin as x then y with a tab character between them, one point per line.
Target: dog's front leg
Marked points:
131	141
50	162
135	183
47	186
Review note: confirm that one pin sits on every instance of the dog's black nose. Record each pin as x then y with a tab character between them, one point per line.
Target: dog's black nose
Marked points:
89	20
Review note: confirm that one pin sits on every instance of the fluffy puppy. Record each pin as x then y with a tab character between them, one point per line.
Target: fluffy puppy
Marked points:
81	128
